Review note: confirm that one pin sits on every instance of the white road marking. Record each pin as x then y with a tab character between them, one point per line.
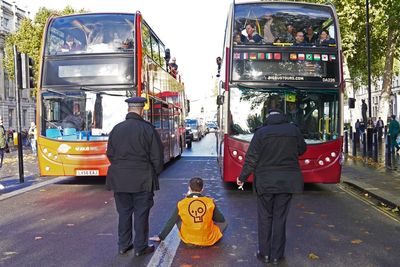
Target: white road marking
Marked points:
32	187
166	251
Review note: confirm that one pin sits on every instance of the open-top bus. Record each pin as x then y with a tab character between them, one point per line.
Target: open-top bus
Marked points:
274	71
90	64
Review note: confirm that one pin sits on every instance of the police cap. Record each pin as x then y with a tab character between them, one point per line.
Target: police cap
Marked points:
136	101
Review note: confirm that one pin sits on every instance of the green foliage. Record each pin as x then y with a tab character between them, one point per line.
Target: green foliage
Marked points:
28	38
384	16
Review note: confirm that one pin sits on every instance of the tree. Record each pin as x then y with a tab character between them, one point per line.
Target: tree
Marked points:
28	38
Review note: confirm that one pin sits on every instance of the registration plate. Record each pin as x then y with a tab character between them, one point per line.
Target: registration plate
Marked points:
87	172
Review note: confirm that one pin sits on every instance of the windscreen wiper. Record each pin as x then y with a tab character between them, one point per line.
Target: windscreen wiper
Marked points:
86	89
63	94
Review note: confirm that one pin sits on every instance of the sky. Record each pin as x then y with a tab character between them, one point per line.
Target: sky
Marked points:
192	30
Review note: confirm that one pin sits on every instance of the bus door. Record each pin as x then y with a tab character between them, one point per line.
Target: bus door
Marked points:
165	132
174	119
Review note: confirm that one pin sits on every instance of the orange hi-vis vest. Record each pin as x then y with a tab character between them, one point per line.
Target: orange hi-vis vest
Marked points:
197	226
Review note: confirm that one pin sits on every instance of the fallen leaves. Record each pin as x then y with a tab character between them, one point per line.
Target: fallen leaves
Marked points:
38	237
313	256
356	241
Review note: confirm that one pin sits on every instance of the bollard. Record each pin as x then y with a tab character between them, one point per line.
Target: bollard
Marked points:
354	144
364	145
351	132
370	132
388	152
346	142
354	147
375	147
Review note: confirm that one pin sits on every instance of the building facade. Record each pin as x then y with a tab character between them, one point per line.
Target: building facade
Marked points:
351	115
11	16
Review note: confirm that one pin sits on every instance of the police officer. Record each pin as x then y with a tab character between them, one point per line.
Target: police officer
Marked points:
136	155
273	159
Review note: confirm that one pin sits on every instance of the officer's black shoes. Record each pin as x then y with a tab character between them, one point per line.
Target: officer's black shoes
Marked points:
147	250
126	250
278	261
262	258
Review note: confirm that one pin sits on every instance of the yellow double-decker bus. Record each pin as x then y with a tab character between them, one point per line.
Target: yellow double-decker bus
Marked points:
90	63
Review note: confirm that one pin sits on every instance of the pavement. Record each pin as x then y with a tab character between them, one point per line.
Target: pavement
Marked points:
363	173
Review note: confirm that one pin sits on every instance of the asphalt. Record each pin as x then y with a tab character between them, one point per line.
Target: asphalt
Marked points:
374	178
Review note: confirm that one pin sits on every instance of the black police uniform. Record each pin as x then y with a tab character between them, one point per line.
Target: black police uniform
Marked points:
136	155
273	158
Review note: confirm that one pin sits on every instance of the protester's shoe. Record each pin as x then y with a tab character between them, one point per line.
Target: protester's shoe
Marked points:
147	250
125	250
278	261
262	258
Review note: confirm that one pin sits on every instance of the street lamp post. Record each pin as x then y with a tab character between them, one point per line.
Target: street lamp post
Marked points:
368	55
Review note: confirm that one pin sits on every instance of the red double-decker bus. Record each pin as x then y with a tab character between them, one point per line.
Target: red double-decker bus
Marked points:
284	55
90	64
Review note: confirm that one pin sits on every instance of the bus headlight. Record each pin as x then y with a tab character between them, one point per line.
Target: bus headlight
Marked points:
234	153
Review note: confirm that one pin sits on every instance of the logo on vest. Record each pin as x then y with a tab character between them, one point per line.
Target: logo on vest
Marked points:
197	209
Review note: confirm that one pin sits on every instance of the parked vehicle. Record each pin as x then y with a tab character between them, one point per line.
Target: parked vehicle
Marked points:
211	126
196	127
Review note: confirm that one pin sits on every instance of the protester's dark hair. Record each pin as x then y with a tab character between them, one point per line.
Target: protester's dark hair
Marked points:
196	184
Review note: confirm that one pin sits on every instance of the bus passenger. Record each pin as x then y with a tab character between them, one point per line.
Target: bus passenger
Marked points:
199	220
310	36
299	39
237	38
70	45
252	35
173	67
290	33
325	39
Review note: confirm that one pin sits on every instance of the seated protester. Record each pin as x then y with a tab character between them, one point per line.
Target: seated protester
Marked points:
324	39
196	215
299	39
310	37
252	35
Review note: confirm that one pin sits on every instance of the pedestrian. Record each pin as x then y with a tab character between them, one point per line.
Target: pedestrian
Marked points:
272	157
3	142
394	129
380	125
32	134
199	220
135	152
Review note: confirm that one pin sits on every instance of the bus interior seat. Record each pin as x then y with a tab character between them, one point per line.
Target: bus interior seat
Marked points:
69	131
69	134
53	133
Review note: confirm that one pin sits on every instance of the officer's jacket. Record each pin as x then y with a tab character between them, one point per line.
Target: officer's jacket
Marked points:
135	152
273	157
198	227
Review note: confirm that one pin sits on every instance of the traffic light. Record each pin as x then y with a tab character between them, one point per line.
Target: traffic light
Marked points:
27	71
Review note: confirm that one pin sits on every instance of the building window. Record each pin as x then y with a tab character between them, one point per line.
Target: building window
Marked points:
24	118
10	117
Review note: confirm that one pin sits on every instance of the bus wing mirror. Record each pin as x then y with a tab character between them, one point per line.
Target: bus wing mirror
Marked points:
220	100
219	62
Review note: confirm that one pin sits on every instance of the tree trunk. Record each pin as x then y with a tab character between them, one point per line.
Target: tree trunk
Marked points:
385	100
